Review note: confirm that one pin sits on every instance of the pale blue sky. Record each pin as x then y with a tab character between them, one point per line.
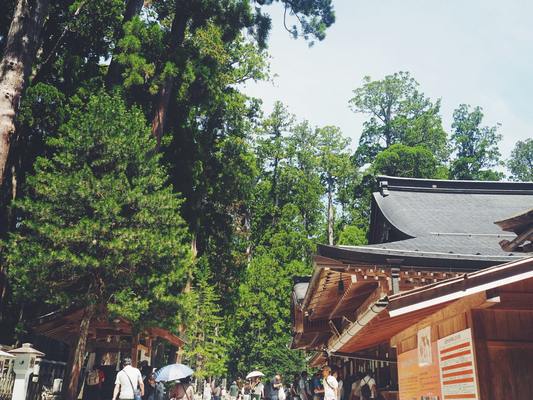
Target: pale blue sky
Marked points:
478	52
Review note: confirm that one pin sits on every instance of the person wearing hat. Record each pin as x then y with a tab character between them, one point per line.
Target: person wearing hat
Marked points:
129	383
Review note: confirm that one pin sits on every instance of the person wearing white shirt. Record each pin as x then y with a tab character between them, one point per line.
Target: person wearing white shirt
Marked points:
128	381
331	386
303	387
340	391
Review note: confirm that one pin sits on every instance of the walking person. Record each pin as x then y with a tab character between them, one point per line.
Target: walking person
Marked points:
330	385
356	387
246	391
207	391
217	390
94	381
149	388
317	387
340	389
276	387
295	388
183	390
257	389
368	387
233	391
129	383
304	390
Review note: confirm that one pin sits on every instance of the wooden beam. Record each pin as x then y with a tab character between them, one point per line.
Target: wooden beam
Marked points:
166	335
109	347
507	245
366	291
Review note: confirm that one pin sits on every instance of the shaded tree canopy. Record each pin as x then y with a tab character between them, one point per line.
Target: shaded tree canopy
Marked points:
409	162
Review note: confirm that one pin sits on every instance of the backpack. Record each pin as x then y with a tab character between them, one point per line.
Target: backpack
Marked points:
366	393
93	378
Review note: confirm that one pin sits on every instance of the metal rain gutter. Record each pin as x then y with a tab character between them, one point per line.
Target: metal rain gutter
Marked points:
354	328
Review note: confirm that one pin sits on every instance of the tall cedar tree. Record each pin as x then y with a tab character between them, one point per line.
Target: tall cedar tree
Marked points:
79	34
399	113
334	164
22	43
100	225
287	218
475	146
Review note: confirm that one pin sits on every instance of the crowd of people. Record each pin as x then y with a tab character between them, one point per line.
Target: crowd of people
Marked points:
131	383
326	384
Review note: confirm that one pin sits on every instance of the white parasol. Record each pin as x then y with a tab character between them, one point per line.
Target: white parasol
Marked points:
254	374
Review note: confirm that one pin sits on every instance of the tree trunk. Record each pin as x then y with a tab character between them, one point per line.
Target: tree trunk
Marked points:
331	213
78	355
15	67
133	8
134	350
177	35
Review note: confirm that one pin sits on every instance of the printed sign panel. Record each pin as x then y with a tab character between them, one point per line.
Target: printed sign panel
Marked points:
457	368
418	382
425	353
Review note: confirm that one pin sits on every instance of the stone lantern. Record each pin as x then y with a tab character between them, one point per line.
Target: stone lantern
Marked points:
26	362
5	358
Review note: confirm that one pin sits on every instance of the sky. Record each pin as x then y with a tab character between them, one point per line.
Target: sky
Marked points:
478	52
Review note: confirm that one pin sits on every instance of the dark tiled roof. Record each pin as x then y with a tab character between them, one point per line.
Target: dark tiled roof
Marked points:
450	218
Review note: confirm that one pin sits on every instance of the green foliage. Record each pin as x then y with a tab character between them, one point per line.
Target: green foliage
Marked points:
207	347
262	320
287	217
475	146
521	162
352	236
333	154
99	224
313	17
399	113
335	166
408	162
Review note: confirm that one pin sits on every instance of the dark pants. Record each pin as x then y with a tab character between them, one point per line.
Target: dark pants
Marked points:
92	392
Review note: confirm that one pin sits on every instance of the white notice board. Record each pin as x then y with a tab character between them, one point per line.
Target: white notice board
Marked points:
457	368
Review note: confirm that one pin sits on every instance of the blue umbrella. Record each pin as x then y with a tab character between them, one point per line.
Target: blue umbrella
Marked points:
173	372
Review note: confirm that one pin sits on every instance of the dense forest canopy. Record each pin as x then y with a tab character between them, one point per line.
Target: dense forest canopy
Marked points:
134	170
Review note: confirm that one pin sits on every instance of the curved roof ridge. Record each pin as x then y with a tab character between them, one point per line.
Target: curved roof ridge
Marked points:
443	185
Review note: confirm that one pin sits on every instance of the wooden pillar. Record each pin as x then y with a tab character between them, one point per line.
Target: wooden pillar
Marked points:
149	344
134	349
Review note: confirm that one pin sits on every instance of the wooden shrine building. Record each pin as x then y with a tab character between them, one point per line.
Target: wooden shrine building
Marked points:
110	337
422	232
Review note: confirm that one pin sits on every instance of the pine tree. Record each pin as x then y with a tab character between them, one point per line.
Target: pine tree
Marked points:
100	225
